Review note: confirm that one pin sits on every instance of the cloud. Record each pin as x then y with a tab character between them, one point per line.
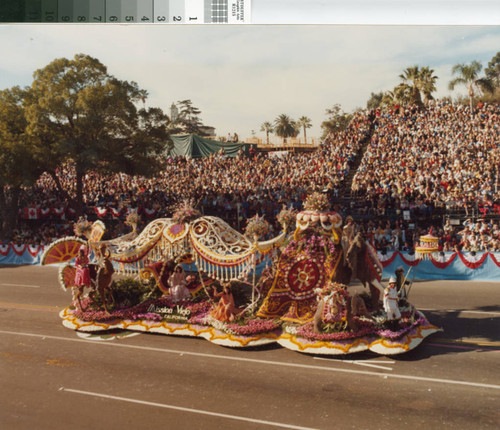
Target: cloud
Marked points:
241	76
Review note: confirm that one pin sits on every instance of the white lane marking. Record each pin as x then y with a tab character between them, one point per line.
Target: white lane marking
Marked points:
272	363
180	408
462	311
359	362
21	285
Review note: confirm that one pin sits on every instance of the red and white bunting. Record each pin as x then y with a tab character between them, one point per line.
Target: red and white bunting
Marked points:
495	258
101	212
18	249
4	250
115	212
409	260
45	212
34	249
58	211
443	260
473	261
149	212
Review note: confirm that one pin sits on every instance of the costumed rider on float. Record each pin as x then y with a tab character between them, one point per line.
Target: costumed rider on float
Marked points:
391	307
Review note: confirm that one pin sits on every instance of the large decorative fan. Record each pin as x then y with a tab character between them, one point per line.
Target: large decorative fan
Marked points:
67	276
62	250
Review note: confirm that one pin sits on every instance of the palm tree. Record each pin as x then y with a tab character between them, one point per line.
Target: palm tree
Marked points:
418	82
427	83
284	127
468	75
268	128
304	122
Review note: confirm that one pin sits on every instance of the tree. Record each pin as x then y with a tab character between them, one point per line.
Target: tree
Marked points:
468	75
337	120
427	83
304	122
189	118
493	70
375	100
268	128
81	115
284	127
18	166
418	84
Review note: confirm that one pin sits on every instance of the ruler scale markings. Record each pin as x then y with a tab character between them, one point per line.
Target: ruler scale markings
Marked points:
145	11
97	11
81	11
207	11
161	11
113	10
195	12
65	10
177	12
32	11
49	11
129	11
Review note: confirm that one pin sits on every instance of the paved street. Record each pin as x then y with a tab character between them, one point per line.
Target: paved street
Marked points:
54	379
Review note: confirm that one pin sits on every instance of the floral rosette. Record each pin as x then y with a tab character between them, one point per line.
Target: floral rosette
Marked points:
185	212
257	227
82	227
286	217
317	202
133	219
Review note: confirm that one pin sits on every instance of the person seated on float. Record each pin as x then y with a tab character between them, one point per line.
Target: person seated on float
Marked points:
391	301
177	283
226	310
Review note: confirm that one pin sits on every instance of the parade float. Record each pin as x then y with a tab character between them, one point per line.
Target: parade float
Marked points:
194	275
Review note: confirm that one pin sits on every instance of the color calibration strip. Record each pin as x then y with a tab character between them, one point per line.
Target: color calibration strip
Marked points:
126	11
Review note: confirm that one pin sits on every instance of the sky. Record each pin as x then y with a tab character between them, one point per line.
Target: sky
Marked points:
241	76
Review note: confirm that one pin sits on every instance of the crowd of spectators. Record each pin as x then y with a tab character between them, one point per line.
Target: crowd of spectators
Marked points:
232	188
416	161
444	156
479	236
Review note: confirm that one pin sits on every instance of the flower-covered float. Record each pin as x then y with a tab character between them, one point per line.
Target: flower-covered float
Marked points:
138	282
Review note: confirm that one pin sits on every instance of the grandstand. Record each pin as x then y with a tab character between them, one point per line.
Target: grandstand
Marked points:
411	167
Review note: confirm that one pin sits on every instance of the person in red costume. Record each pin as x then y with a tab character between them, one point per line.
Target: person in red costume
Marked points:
82	275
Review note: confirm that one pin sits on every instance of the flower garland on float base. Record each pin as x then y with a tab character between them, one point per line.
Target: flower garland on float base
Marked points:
298	305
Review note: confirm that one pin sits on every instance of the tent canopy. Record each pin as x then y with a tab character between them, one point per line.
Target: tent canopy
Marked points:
191	145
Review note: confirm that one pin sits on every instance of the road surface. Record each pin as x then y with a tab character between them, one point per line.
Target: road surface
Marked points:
54	379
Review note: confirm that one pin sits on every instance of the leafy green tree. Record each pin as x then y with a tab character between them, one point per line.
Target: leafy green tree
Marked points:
468	75
268	128
80	114
304	122
493	70
375	100
18	166
189	118
285	127
336	121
